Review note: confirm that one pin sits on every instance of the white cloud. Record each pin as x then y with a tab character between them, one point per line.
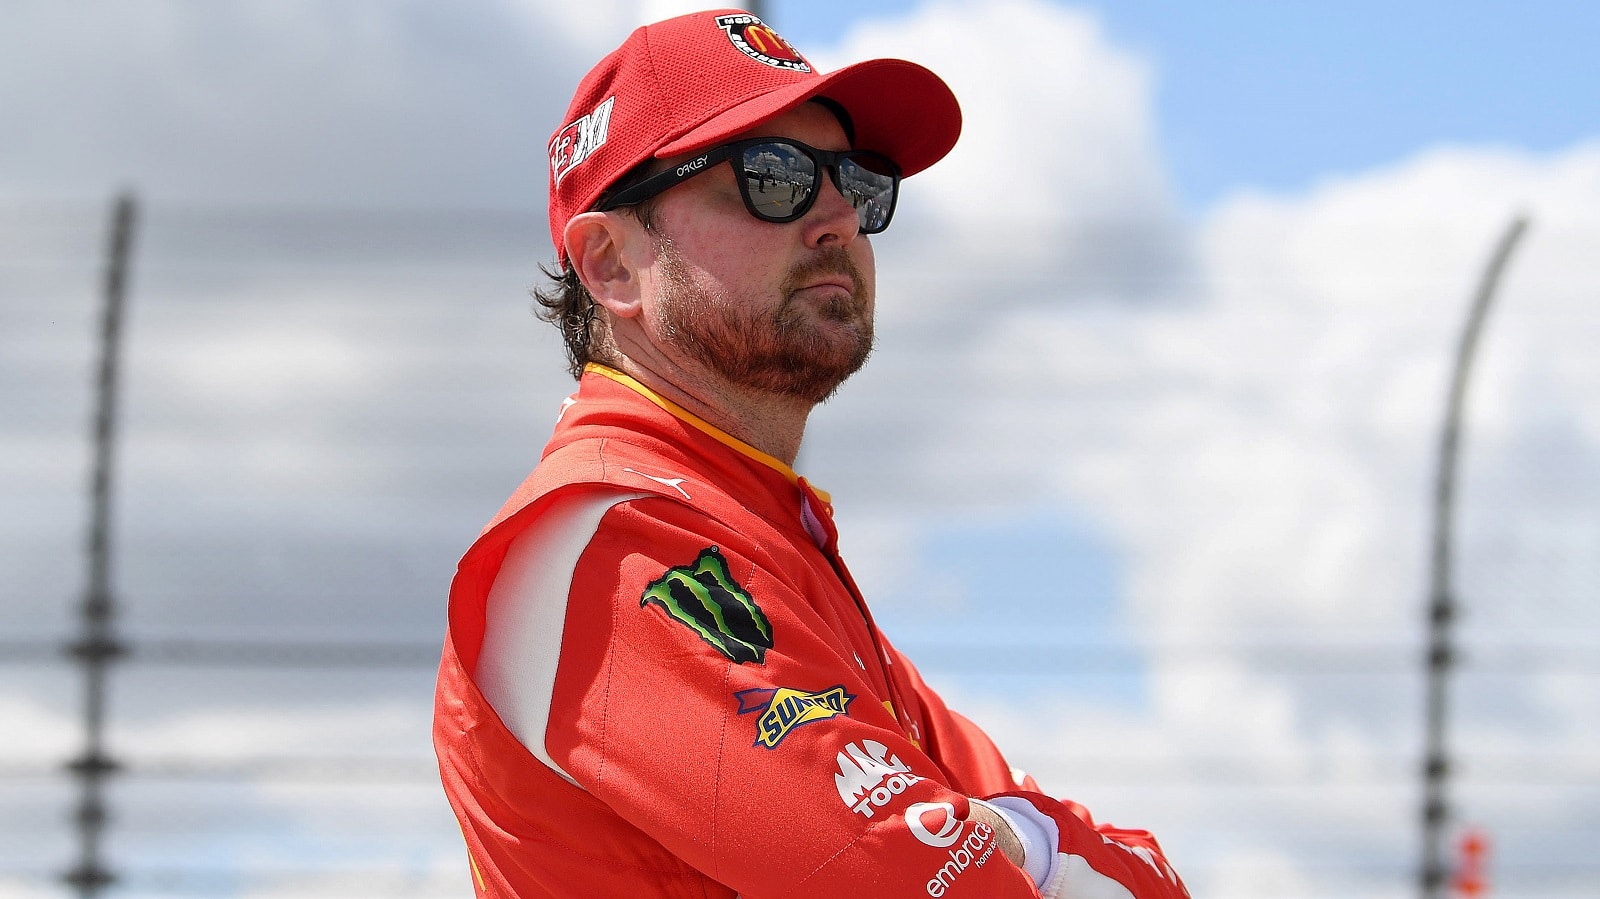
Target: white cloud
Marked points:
1239	411
1258	447
36	732
40	734
360	103
1051	110
1264	460
1056	178
337	730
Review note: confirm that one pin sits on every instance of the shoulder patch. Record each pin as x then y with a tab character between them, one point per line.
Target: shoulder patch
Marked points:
706	599
785	708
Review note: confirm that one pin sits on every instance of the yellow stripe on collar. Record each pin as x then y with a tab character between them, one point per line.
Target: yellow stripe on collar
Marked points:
700	424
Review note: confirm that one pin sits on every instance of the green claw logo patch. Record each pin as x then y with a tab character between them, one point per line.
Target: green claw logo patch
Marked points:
707	600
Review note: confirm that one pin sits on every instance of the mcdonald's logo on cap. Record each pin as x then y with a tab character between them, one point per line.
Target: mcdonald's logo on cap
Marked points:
757	40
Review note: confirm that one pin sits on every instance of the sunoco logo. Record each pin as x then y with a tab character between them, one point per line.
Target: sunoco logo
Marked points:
782	710
868	777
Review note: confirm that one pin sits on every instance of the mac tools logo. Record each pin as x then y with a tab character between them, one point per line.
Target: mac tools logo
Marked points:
868	777
757	40
578	140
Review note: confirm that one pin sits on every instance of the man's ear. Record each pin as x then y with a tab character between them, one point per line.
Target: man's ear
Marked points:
595	247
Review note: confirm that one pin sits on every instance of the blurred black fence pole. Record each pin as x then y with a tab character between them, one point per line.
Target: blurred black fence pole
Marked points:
97	646
1441	601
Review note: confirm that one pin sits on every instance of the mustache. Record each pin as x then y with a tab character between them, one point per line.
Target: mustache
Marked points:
827	261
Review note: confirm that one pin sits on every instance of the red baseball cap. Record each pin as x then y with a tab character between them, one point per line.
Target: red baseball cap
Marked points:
688	83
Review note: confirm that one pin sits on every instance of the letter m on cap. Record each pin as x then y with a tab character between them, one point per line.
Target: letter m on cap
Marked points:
706	599
575	142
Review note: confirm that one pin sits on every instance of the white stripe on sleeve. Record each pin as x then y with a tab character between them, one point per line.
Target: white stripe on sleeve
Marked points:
527	612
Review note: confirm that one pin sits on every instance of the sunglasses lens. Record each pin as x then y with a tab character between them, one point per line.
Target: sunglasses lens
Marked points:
868	181
778	179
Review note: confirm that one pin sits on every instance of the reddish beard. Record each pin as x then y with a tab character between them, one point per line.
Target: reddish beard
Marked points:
778	350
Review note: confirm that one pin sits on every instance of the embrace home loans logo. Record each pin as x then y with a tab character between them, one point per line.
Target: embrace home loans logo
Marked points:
936	824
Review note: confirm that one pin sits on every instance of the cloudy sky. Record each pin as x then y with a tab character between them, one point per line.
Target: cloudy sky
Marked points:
1140	471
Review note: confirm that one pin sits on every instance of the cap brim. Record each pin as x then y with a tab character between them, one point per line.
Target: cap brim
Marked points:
898	108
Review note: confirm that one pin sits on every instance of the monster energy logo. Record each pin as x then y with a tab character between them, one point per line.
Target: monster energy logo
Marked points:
705	598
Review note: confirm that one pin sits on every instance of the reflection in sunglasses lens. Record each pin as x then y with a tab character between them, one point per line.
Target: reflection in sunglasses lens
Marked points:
871	192
778	178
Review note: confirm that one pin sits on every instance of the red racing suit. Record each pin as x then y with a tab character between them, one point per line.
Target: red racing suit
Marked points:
693	699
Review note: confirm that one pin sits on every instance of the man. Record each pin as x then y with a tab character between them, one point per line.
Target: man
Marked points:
659	678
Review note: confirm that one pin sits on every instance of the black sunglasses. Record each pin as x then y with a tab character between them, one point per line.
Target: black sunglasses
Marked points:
777	178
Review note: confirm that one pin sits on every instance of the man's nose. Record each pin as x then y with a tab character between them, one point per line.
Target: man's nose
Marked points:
831	218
